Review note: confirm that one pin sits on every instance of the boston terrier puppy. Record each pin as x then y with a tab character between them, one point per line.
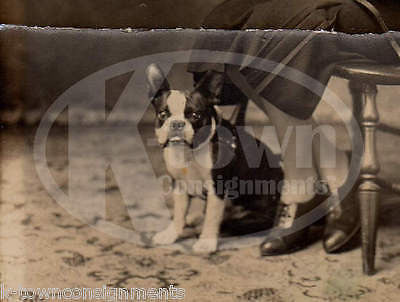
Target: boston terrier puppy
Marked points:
207	157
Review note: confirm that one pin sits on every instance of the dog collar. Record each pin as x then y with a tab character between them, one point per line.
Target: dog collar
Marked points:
230	142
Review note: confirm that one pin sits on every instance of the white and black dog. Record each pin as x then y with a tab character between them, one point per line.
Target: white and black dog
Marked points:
198	145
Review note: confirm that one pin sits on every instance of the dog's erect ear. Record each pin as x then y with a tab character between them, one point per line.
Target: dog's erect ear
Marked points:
156	80
211	85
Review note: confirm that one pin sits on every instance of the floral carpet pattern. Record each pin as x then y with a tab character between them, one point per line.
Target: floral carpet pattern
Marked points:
43	245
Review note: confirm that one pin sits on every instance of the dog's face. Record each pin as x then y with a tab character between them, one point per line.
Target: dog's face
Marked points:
182	117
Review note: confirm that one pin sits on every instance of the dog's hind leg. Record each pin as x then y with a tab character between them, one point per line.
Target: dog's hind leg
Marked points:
196	211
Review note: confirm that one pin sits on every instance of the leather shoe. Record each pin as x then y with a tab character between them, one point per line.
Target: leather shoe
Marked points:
285	217
342	223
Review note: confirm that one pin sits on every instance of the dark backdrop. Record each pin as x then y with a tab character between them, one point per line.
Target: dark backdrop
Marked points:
106	13
36	66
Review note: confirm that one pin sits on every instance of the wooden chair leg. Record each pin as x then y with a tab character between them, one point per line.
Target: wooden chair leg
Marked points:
356	90
369	189
368	196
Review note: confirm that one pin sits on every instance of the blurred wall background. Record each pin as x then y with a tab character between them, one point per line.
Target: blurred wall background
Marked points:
36	66
24	55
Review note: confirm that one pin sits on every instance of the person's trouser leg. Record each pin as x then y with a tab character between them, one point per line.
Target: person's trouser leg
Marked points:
299	172
343	219
332	166
298	143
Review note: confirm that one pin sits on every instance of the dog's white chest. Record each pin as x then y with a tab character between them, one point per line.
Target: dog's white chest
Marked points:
186	164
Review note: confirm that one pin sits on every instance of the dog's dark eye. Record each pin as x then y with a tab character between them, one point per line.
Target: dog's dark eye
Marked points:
163	115
196	116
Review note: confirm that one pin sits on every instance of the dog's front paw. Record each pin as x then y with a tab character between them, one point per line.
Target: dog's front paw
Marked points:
205	245
168	236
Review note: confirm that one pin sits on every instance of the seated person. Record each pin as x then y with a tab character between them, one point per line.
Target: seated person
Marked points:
288	104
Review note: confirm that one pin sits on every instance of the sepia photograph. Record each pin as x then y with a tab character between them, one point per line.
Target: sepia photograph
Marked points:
200	150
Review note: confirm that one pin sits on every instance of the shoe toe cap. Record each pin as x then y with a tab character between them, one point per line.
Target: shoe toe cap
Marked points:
334	241
274	247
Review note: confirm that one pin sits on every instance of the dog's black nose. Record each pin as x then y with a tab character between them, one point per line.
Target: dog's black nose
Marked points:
177	125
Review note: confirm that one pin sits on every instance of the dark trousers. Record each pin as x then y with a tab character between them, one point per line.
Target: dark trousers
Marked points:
316	57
